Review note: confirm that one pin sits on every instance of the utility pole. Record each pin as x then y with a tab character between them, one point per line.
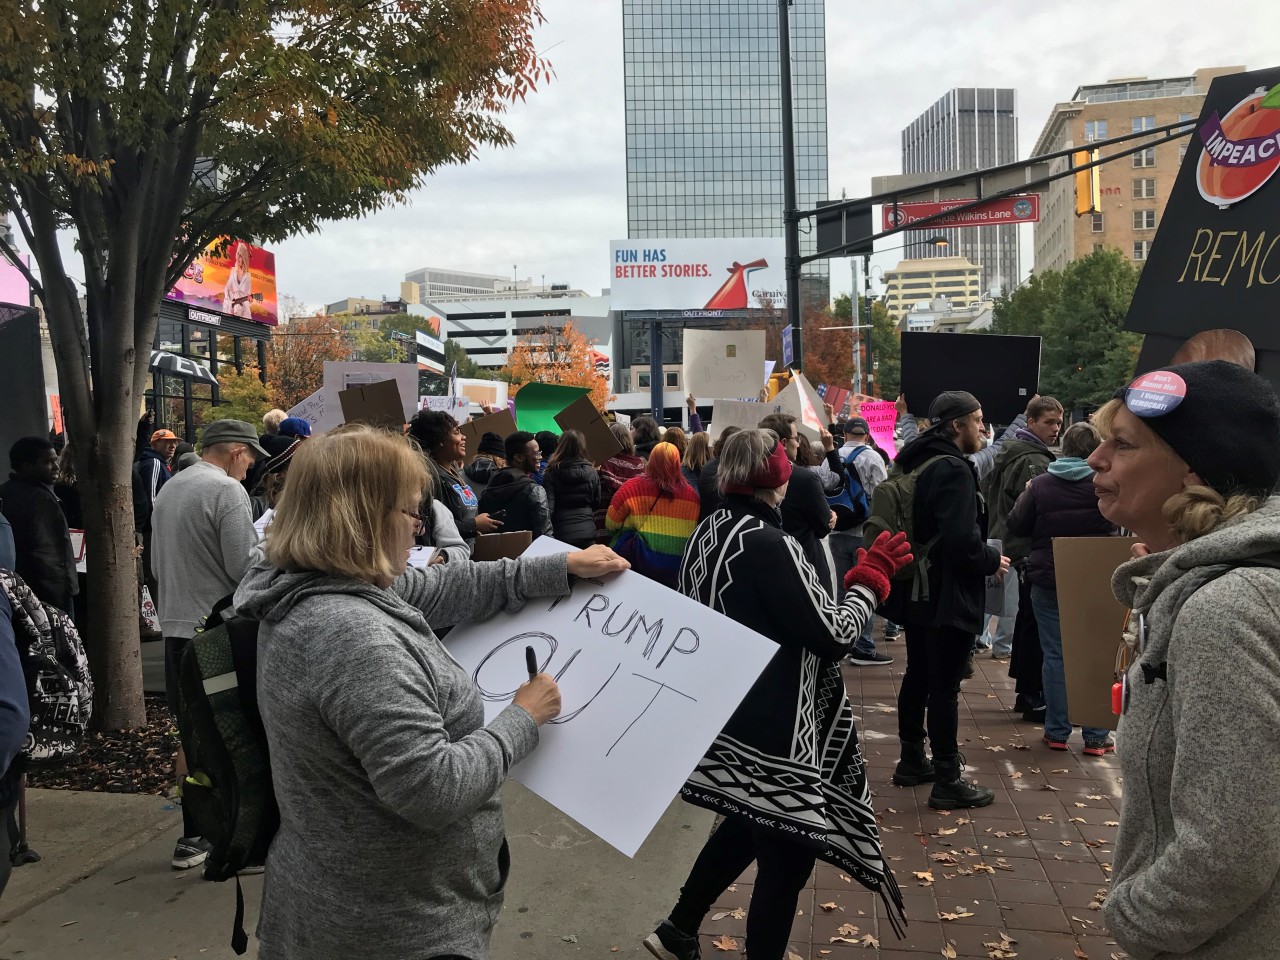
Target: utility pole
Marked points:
790	213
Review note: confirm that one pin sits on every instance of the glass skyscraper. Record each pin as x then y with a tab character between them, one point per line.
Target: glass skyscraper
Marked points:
704	119
969	128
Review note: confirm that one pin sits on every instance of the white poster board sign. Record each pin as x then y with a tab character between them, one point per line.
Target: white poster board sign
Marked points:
648	679
458	407
723	363
340	376
321	410
744	414
799	399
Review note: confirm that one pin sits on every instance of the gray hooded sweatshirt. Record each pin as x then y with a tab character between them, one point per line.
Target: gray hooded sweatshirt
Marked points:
391	841
1197	858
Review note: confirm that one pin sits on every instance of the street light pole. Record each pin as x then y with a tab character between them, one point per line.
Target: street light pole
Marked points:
790	213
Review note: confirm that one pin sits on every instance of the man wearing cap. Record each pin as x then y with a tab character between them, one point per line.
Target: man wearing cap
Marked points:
202	532
150	471
857	454
948	514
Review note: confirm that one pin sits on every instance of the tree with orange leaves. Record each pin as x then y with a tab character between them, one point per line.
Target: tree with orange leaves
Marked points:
296	356
563	355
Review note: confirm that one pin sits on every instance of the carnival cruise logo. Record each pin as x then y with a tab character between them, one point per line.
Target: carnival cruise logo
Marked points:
732	295
1241	150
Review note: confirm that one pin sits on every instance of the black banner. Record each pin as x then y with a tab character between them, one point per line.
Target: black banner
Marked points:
1002	372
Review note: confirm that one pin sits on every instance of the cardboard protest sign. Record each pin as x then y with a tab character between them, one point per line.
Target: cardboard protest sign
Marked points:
744	414
648	679
538	403
882	417
1002	372
377	404
1092	623
1215	259
501	546
582	415
799	399
501	423
340	376
487	393
723	363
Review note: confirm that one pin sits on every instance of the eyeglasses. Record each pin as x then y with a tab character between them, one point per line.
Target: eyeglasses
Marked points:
421	522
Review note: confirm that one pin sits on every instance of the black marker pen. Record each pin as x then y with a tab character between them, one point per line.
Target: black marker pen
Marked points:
531	661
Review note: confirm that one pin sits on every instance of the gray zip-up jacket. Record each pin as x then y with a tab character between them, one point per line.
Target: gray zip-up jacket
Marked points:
391	841
1197	858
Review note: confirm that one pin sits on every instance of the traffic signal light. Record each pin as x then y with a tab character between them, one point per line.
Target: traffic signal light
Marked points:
1088	188
778	382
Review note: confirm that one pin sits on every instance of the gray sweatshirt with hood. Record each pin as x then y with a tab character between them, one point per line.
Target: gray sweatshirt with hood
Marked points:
1197	858
391	842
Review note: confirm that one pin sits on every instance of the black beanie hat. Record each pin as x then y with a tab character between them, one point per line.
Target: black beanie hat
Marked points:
1226	426
491	445
951	405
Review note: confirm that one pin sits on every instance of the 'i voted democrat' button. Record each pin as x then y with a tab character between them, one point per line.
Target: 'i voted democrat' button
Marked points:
1155	394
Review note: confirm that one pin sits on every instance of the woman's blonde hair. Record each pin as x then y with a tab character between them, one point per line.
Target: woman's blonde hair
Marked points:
1196	510
340	511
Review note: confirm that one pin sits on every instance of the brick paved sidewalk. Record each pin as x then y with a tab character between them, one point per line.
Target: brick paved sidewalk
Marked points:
1031	866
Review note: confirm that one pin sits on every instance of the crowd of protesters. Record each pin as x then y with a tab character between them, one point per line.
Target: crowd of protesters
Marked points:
388	758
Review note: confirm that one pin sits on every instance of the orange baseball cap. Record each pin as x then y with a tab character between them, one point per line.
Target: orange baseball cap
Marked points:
164	435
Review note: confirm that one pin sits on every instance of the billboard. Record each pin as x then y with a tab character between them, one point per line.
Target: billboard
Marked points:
240	283
697	274
1215	259
992	213
13	285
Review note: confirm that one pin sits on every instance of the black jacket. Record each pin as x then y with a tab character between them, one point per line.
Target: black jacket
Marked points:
709	489
573	493
455	493
946	503
150	471
524	501
806	515
41	540
1054	506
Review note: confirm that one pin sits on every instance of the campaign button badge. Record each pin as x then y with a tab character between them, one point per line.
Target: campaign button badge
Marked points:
1155	394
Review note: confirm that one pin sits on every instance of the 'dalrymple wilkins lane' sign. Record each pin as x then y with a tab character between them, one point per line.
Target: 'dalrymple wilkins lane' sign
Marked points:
1215	259
648	679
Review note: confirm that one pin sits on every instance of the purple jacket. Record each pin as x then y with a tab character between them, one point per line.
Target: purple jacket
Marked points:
1055	506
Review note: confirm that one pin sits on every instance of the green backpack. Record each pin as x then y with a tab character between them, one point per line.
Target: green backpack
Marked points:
893	511
228	789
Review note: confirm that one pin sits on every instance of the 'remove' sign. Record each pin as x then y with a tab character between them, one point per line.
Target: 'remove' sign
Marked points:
648	679
1215	259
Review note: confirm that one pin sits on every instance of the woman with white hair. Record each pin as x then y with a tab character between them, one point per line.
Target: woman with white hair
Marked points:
787	771
1189	458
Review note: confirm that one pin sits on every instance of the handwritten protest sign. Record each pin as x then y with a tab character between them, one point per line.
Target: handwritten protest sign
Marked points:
744	414
648	679
881	417
457	407
321	410
723	363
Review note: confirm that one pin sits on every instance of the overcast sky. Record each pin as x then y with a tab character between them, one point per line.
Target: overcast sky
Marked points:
551	204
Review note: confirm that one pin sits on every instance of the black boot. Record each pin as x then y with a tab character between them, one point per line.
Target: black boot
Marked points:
951	791
915	767
967	672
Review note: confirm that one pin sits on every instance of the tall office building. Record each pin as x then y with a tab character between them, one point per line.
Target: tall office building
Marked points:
970	128
704	119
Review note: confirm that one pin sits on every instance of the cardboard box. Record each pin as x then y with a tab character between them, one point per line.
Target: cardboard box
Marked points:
1092	623
501	423
501	546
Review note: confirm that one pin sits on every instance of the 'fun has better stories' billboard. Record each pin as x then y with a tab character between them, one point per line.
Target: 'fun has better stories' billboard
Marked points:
697	274
241	282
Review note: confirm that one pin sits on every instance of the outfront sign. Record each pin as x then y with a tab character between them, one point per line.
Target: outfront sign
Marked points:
1215	260
697	274
992	213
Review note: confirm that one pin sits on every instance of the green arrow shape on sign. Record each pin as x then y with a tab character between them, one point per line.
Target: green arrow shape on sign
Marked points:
1272	99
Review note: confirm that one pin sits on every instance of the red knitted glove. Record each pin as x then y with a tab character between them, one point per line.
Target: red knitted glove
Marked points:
876	566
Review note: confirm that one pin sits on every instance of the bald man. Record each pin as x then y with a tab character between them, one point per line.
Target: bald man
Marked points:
1229	345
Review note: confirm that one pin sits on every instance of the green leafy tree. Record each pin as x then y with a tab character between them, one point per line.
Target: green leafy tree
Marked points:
1079	314
886	352
150	130
242	396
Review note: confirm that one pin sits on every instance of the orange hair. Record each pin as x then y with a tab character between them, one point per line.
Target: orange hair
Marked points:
663	468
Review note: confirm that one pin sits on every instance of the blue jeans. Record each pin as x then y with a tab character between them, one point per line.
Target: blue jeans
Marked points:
1057	725
844	551
1002	645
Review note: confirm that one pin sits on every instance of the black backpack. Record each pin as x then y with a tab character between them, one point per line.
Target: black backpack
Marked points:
227	791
